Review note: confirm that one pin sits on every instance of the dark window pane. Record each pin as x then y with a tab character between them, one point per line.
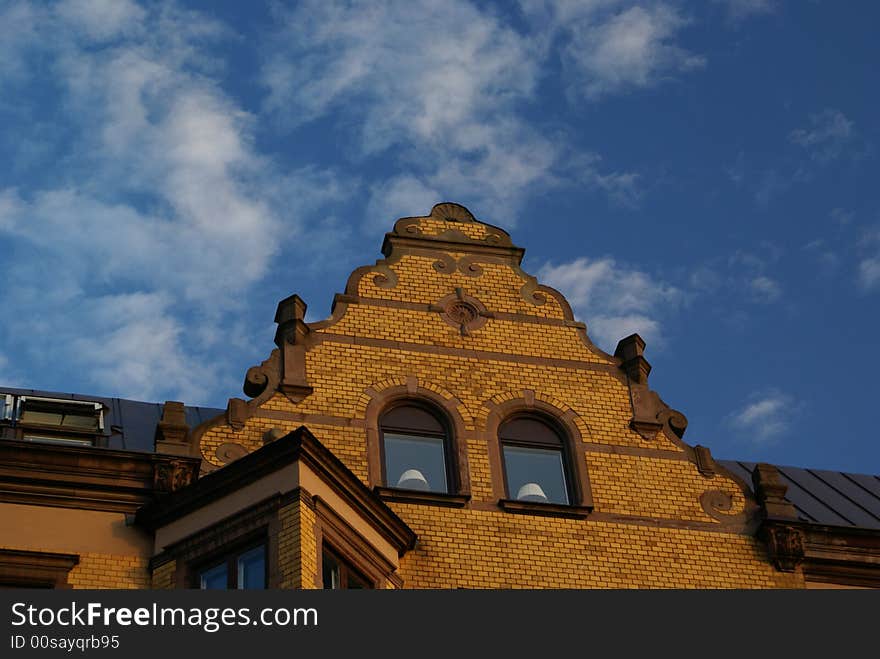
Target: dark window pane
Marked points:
532	431
214	578
415	463
412	418
356	581
330	572
338	574
535	474
252	569
60	414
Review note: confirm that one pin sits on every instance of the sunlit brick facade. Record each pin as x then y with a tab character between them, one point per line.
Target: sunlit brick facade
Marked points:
449	325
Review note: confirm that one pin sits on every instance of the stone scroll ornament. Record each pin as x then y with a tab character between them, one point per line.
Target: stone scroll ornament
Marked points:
385	277
229	452
467	265
260	378
719	505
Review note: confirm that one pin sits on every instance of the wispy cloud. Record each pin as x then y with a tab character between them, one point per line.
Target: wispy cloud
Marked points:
160	211
739	10
764	417
829	133
453	120
765	290
770	185
614	46
614	300
869	265
449	112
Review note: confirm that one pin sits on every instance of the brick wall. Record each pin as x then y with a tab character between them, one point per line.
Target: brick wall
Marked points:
109	571
163	576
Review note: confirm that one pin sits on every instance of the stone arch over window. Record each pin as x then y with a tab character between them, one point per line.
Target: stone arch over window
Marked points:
416	447
537	458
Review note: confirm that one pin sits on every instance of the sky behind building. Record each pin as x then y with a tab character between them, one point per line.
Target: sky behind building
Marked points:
702	173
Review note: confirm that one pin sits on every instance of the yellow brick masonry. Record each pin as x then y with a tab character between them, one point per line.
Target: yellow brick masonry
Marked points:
433	227
109	571
163	576
480	549
297	546
474	547
498	283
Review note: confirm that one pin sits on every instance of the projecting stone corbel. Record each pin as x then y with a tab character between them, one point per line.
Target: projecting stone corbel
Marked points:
770	493
172	431
705	462
650	413
237	413
778	530
290	337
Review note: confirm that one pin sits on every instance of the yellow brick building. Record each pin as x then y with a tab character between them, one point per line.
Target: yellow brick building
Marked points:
450	425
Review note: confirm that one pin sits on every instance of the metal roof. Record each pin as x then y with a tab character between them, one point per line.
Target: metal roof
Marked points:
131	424
825	497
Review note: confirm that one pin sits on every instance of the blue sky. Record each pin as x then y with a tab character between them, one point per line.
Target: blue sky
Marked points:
703	173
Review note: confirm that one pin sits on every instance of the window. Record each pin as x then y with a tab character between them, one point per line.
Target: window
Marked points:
338	574
244	570
59	421
535	462
415	448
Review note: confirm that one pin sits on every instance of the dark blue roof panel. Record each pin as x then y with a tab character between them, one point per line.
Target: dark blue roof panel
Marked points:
130	424
825	497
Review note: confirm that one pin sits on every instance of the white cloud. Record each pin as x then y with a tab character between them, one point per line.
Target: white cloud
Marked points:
627	49
414	78
140	348
869	266
614	300
102	19
445	107
739	10
397	197
18	30
622	188
764	417
765	290
869	273
829	133
162	213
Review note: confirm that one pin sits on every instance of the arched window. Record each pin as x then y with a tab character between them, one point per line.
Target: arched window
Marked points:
416	449
536	465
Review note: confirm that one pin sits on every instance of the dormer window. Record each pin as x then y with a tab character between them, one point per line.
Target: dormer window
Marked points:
59	421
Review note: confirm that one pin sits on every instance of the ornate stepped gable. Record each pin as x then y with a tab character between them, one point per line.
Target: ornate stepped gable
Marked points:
449	316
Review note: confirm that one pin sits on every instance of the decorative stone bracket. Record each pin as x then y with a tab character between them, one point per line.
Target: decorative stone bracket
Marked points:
650	413
172	475
770	493
290	337
785	546
785	542
284	370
